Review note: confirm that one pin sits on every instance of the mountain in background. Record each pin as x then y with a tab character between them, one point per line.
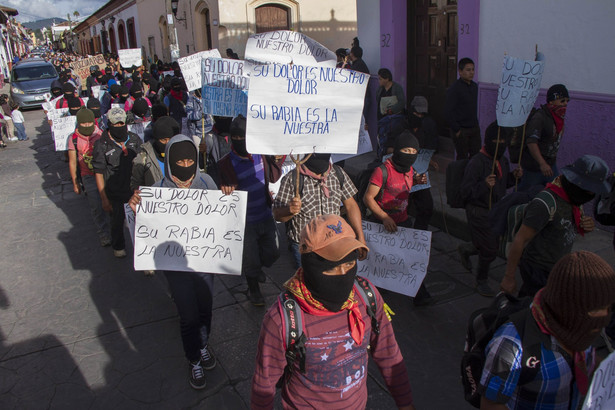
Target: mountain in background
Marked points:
39	24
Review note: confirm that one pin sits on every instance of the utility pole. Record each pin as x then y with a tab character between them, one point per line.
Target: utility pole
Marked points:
172	32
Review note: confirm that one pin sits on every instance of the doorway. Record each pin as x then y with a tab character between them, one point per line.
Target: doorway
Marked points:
271	17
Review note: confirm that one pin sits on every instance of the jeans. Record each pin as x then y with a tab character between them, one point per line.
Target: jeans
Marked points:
117	225
531	178
100	217
467	143
192	293
21	131
261	247
294	249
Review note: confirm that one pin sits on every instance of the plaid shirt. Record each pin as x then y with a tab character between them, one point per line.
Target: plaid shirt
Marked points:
551	388
313	200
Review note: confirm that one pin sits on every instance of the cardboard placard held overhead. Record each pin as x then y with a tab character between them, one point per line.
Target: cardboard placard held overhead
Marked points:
284	47
129	57
82	67
225	87
191	67
62	129
397	261
190	230
519	88
304	109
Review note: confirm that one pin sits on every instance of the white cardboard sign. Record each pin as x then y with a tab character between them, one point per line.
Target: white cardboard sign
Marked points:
62	129
191	67
519	88
190	230
396	261
139	128
225	87
129	57
284	47
304	109
601	394
365	145
130	221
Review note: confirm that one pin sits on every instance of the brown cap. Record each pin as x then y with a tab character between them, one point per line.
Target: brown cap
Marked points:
329	236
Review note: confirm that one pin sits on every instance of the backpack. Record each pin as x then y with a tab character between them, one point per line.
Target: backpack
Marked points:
483	324
514	218
363	185
514	135
454	177
294	327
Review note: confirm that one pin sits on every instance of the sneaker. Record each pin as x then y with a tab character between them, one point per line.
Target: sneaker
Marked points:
119	253
197	375
208	360
464	255
149	272
484	289
13	139
105	241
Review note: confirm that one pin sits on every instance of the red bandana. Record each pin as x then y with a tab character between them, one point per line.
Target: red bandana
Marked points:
557	189
321	178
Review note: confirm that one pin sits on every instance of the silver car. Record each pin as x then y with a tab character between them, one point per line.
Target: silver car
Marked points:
30	80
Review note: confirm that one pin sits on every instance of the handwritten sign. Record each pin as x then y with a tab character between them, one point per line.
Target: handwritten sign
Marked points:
190	230
421	166
62	129
365	145
82	67
601	393
397	261
129	57
225	86
139	128
284	47
96	91
56	113
191	67
518	90
130	221
304	109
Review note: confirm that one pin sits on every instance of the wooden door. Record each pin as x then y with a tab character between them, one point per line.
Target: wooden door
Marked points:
432	54
272	17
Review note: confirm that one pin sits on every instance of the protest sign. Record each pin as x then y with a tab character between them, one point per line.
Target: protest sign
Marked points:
225	86
601	394
139	128
365	145
56	113
304	109
191	67
129	57
62	129
421	166
82	67
284	47
518	90
287	166
96	91
190	230
165	73
130	221
396	261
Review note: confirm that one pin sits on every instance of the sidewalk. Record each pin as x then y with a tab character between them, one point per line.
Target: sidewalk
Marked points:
81	329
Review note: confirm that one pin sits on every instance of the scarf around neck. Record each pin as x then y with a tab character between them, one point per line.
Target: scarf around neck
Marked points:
322	179
557	189
296	285
580	368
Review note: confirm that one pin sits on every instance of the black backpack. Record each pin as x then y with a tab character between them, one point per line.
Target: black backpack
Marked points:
363	184
454	176
294	328
482	326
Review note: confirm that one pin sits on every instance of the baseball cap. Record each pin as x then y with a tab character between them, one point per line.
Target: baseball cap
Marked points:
116	114
589	173
330	237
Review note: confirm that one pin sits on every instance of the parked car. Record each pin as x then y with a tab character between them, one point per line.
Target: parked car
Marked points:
30	80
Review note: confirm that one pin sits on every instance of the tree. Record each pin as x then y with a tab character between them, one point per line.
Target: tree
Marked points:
76	14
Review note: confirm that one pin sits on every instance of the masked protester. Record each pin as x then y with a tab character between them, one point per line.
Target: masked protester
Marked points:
387	199
547	232
56	89
567	315
112	163
544	133
136	93
481	189
191	291
74	105
253	173
109	98
176	101
68	94
141	110
123	96
80	154
94	105
337	327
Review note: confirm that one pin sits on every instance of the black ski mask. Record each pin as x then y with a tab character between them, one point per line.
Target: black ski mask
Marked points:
318	163
401	160
330	290
577	195
491	142
239	145
120	134
179	151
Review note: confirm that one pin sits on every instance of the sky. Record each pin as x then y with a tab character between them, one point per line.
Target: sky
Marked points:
31	10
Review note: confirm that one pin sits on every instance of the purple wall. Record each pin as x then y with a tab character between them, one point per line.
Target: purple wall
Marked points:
467	34
394	40
589	127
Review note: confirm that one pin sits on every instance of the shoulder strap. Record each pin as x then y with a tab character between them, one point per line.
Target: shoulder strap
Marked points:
340	175
385	177
294	334
365	290
548	200
532	340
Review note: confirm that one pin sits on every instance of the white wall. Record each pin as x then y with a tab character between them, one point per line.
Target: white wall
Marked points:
577	38
368	23
124	15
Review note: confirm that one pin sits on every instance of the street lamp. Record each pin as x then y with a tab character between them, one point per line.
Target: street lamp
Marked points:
174	7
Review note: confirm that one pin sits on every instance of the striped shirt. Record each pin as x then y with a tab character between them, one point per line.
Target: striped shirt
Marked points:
251	178
335	367
553	387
